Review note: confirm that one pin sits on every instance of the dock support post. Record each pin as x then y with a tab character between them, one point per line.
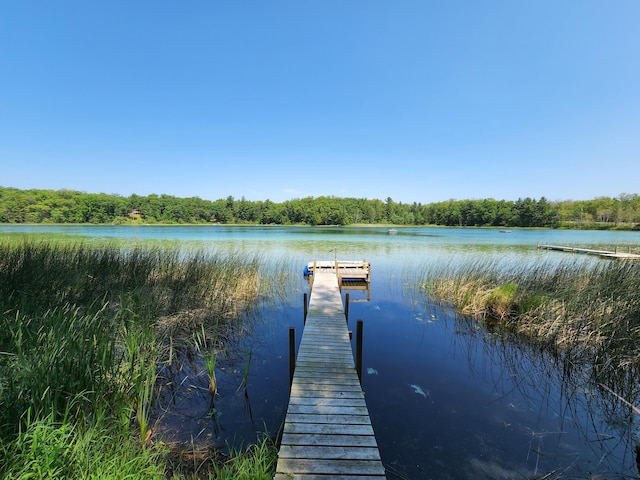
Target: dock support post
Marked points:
306	308
346	307
359	327
292	354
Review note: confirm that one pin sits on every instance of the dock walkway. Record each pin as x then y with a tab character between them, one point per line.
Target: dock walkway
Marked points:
602	253
327	432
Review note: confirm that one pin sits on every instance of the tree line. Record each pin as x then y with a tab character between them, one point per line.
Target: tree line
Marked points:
69	206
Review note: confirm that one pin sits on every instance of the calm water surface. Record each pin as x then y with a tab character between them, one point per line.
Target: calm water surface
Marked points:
448	399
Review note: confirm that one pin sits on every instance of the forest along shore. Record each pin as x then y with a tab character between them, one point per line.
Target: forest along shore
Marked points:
69	206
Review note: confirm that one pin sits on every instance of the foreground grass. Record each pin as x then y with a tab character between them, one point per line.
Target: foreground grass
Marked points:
258	462
49	450
587	312
84	329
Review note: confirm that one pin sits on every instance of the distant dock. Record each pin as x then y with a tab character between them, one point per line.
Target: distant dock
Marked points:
615	254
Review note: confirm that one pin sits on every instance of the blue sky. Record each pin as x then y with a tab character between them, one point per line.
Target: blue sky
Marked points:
415	100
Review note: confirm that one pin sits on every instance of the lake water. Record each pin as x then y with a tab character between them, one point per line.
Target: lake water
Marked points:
447	398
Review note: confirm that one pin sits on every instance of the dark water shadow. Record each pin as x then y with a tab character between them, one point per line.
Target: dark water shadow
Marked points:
252	377
450	399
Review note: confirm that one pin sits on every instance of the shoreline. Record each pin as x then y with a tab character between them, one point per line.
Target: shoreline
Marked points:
595	228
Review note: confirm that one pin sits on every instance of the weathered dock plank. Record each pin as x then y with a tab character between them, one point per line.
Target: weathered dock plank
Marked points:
329	440
294	476
324	429
337	418
327	432
331	466
329	402
335	390
330	452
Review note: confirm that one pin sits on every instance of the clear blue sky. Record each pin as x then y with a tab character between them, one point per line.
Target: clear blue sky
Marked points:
267	99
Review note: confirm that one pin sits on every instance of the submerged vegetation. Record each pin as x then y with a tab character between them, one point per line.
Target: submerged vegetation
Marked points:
586	313
84	330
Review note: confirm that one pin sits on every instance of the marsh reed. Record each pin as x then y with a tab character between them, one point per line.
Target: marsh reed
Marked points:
589	312
84	328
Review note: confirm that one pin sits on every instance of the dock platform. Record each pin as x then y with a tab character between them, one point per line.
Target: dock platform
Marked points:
343	269
602	253
327	432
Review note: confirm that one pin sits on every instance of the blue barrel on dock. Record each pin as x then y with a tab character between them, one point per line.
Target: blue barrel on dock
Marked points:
306	272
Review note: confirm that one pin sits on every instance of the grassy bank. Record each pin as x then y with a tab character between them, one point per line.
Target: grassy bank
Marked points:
587	312
84	329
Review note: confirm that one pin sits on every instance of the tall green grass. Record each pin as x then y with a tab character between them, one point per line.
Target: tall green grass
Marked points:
83	331
257	462
50	449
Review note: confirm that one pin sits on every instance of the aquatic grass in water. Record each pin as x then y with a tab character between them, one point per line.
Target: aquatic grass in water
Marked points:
258	462
207	352
246	364
589	312
140	360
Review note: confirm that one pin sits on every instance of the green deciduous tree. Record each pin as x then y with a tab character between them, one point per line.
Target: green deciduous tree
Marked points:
67	206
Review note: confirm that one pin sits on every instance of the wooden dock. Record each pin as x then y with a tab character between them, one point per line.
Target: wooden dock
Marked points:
327	432
602	253
343	269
